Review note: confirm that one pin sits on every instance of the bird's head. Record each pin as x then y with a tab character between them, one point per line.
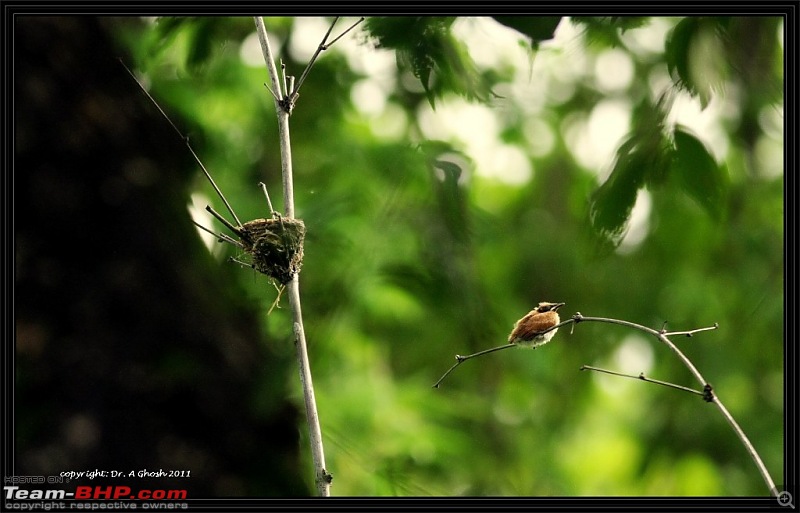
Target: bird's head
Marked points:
549	307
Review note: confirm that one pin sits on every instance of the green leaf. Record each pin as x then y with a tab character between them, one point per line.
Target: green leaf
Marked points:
610	206
656	147
537	28
643	159
452	171
427	47
196	35
698	174
677	51
447	166
695	55
605	31
201	42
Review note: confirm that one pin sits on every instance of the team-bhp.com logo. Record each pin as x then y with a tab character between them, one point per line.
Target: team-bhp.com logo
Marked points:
94	493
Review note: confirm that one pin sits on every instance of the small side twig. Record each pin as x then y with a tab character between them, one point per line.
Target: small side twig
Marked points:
221	237
642	377
266	195
689	333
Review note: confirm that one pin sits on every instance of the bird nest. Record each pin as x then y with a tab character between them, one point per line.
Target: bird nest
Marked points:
275	246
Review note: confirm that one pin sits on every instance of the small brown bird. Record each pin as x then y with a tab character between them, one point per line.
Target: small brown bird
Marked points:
527	331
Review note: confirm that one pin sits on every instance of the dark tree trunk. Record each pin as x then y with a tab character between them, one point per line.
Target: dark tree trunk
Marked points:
133	350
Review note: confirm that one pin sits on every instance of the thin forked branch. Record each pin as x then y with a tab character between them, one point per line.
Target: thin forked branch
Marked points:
284	90
324	45
661	335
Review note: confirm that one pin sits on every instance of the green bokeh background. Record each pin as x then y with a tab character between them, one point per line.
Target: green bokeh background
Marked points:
409	261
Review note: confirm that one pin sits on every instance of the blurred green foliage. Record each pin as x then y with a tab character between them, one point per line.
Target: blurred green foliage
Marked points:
426	45
414	255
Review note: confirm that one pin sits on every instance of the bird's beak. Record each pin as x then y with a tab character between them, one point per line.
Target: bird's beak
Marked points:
558	305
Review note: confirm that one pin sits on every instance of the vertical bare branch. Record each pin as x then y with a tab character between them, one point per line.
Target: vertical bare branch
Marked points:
283	120
322	477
